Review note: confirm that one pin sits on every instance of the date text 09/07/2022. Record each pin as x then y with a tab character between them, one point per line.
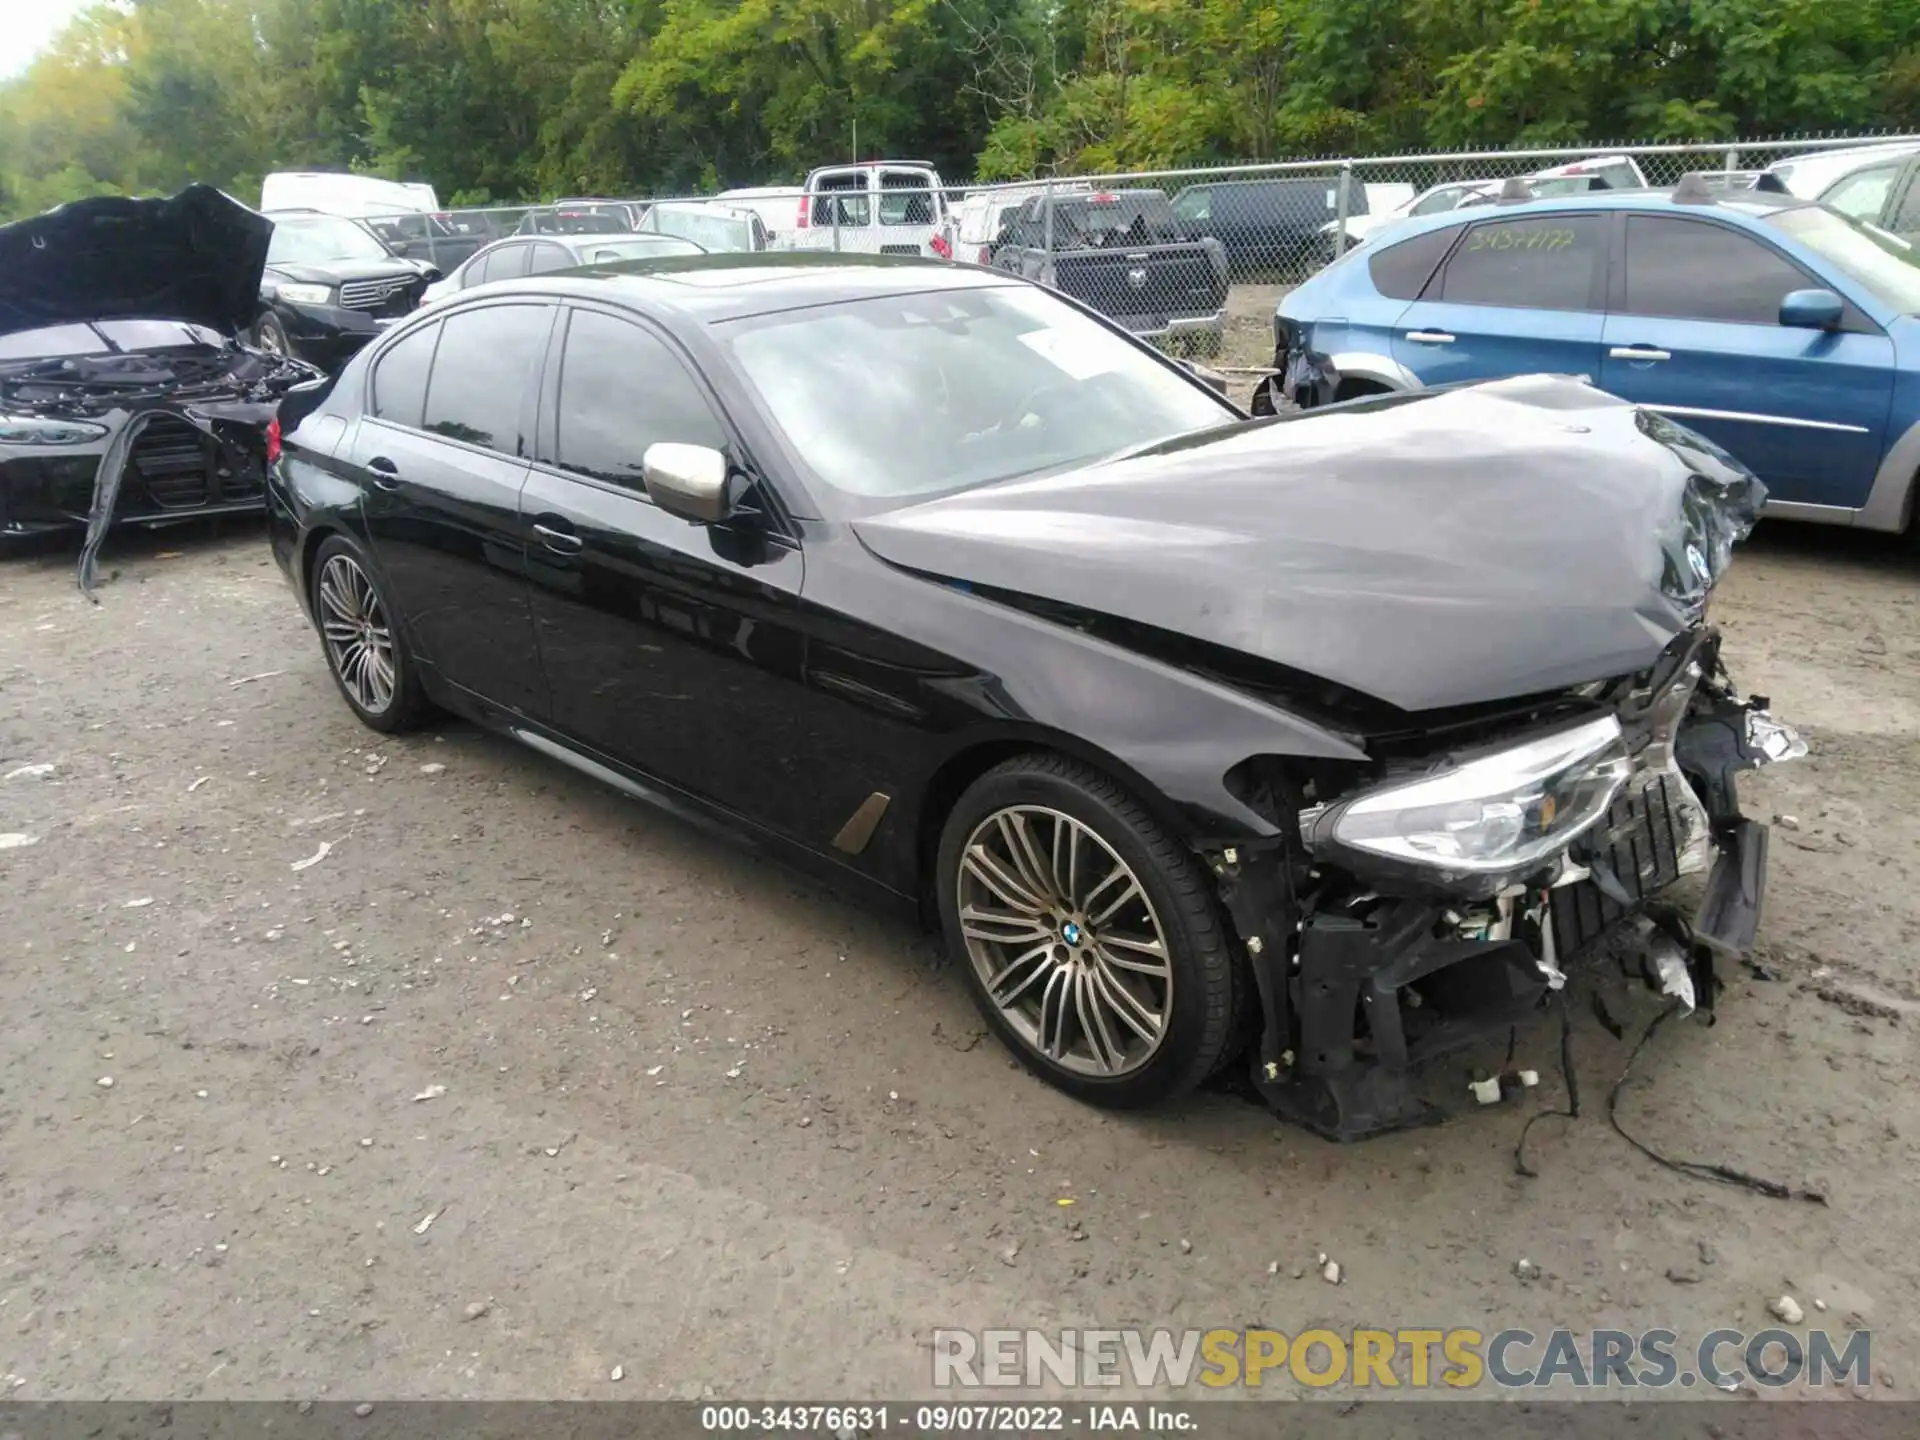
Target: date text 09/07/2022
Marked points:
945	1419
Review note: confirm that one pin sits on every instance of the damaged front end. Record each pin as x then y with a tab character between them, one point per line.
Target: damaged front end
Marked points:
151	437
124	394
1443	894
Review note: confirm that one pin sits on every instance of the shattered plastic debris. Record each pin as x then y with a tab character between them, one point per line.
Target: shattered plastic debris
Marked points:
198	783
432	768
432	1092
1671	968
28	772
139	904
1786	1310
17	841
326	849
426	1222
249	679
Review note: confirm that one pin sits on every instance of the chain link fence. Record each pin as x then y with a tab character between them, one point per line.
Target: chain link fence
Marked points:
1194	259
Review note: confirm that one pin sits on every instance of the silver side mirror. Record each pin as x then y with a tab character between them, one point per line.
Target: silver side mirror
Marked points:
687	480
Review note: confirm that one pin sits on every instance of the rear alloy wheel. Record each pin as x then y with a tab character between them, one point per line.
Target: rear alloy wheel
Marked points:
1089	937
364	651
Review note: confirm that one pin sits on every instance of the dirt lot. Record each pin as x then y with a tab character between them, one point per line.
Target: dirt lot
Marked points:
693	1118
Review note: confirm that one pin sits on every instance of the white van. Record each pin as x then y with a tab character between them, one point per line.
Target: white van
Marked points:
878	207
776	205
354	196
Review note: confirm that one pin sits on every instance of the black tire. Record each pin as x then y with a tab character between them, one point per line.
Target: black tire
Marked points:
1207	978
405	706
270	334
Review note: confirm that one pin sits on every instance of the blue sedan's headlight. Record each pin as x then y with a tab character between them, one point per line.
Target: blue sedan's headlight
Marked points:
47	430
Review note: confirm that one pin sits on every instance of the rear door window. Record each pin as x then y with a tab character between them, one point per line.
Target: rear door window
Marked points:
1401	271
1906	215
1543	262
400	377
840	198
622	389
1862	195
1697	270
509	262
548	257
906	197
479	384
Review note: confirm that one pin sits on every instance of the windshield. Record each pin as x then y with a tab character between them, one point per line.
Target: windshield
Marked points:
1883	263
911	395
712	229
1143	218
321	241
634	247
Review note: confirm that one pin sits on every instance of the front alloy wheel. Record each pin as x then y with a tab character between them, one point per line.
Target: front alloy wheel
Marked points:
1091	939
1065	941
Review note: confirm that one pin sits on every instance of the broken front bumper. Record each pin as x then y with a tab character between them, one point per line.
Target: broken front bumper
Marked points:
1303	378
1355	997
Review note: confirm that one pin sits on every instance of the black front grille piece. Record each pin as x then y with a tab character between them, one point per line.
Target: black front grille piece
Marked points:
175	463
1639	843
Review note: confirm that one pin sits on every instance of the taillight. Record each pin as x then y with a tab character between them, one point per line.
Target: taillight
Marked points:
941	247
273	439
800	220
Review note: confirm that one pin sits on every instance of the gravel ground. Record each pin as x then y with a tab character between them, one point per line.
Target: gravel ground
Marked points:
519	1082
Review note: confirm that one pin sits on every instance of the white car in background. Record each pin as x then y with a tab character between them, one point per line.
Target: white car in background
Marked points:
975	223
876	207
1852	180
357	197
721	229
776	205
1593	172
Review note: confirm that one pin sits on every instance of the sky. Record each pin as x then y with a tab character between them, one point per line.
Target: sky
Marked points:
26	28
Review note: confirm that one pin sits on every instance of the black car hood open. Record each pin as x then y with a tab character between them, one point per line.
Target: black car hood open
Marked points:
197	256
1429	550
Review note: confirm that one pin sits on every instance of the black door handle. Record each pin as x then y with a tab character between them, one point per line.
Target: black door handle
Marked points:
386	474
563	541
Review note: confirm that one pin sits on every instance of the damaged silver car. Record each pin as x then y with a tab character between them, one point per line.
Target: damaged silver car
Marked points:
124	395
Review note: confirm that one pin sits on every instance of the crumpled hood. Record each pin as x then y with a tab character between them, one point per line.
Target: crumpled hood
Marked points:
195	257
1434	549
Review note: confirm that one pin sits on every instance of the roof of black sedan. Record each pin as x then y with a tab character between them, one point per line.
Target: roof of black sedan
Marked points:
727	287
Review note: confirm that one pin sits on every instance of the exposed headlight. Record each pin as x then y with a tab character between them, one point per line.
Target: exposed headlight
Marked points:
46	430
306	294
1496	813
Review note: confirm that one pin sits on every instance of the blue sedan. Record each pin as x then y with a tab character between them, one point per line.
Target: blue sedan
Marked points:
1780	329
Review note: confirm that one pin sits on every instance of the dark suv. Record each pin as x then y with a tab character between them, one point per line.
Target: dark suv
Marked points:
330	286
1269	228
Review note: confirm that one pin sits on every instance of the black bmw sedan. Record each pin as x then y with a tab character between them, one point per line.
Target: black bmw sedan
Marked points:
1333	741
